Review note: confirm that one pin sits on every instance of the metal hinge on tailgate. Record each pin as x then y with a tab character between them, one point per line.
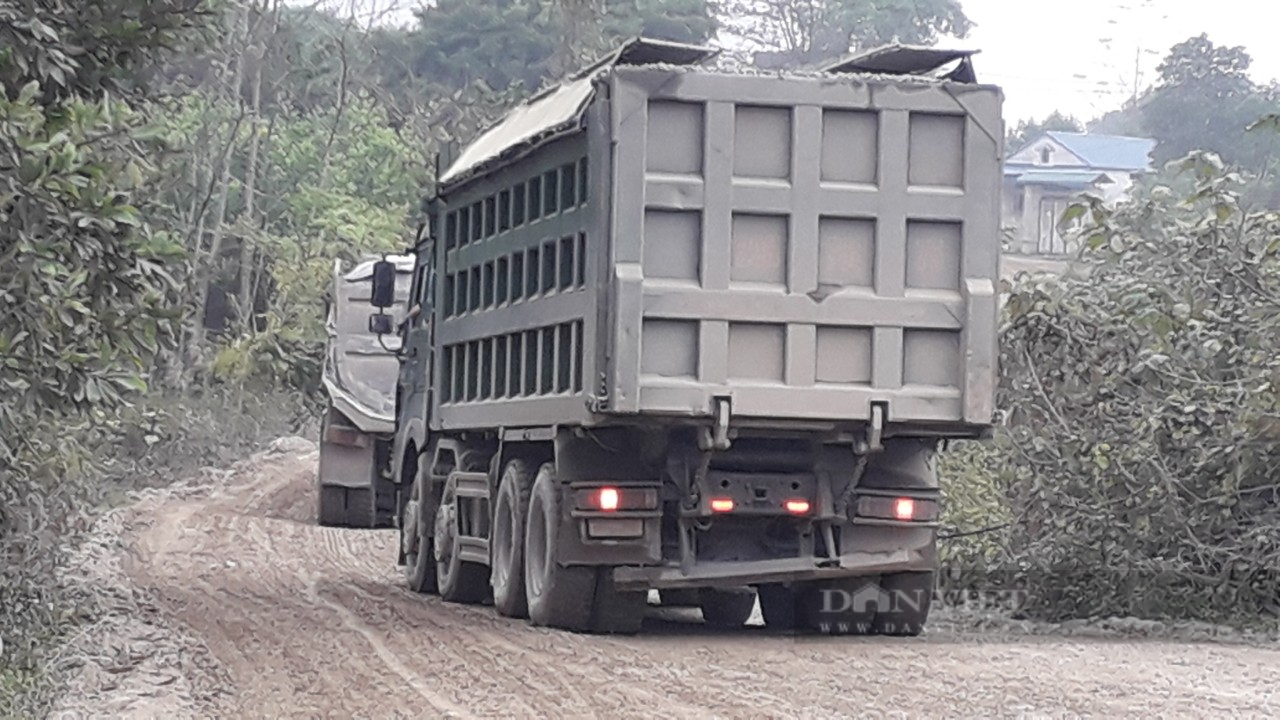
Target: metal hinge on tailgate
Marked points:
863	448
717	436
875	430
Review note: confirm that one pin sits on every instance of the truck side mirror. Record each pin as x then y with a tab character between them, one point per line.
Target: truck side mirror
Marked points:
384	284
380	324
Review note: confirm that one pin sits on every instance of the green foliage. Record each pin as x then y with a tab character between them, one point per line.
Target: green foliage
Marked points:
976	516
87	288
686	21
1140	453
803	32
1206	101
520	43
334	182
86	49
500	43
1126	121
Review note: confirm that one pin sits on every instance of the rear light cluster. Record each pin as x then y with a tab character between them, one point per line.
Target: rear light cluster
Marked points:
350	437
901	509
614	499
606	510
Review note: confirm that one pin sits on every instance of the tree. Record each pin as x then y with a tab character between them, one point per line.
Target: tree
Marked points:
1027	130
500	43
86	49
1205	100
803	32
87	288
520	43
1126	120
686	21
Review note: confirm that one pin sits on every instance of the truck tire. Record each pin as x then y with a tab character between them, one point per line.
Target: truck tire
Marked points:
557	596
360	509
911	595
458	580
418	538
331	506
726	609
384	503
511	510
781	607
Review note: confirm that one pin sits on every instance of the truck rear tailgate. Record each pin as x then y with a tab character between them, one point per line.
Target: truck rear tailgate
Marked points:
804	248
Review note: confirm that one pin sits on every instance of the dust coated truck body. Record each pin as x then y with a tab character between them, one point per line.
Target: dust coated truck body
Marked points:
360	368
702	332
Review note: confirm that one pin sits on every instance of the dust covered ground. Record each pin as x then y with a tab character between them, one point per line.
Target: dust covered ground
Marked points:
224	599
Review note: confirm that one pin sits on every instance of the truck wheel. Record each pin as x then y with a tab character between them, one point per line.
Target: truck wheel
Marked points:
726	609
417	537
459	581
557	596
331	506
781	607
511	509
384	503
847	606
360	511
909	596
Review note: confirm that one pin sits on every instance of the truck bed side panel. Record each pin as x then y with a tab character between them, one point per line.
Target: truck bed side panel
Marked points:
517	292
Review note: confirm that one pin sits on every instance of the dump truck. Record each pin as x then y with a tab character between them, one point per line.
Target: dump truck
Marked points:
355	485
702	331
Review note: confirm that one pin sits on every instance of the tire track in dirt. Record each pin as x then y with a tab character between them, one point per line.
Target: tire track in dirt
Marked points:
306	621
389	658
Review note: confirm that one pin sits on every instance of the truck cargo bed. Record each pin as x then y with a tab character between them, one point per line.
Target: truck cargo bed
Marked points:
800	247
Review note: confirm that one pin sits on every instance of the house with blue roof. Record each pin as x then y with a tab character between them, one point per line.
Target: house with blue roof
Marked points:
1048	174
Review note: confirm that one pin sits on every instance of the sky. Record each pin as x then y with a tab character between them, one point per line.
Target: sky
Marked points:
1081	57
1078	56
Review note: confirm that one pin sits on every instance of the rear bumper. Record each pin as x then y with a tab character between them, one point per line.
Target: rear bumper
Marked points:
709	574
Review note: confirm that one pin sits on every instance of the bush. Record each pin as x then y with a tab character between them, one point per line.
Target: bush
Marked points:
1139	460
976	518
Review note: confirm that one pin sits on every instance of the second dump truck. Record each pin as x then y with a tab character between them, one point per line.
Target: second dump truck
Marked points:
354	478
702	332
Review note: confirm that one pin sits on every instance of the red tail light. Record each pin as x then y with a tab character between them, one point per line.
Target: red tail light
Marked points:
898	509
614	499
722	505
350	437
797	507
608	499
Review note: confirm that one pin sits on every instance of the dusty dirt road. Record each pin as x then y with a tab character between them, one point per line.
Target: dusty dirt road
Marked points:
233	603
